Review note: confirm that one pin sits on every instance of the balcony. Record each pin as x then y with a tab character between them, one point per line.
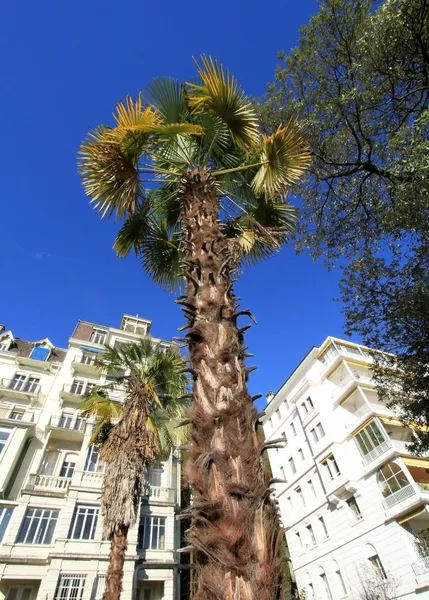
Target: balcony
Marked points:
73	392
48	485
376	452
86	365
23	390
68	427
421	571
160	494
24	417
88	479
34	363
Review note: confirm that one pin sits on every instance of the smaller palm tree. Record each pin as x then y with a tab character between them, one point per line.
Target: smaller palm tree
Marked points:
133	435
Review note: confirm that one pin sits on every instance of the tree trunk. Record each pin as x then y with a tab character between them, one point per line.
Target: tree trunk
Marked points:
233	533
115	571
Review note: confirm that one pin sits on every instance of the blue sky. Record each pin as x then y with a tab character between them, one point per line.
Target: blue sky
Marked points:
64	67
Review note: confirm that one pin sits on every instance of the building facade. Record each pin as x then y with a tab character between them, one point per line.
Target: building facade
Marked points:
352	499
51	545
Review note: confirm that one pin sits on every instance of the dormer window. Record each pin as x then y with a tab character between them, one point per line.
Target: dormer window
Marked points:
98	336
40	353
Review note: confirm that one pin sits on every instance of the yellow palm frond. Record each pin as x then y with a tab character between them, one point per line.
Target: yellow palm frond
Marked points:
221	94
284	158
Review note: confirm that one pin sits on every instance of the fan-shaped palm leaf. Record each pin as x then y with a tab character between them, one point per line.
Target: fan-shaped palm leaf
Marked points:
161	255
132	232
168	96
221	94
284	159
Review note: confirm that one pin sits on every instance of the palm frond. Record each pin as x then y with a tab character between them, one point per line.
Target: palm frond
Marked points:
161	255
284	157
221	94
167	95
132	232
109	174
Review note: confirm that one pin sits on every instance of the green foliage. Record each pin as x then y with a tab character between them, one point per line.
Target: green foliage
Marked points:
359	82
133	170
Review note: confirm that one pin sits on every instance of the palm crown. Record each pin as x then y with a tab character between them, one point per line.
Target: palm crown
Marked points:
134	169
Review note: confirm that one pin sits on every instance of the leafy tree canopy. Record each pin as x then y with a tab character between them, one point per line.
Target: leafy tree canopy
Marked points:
359	81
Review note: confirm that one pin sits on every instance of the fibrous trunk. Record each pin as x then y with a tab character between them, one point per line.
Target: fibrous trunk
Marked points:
115	571
233	531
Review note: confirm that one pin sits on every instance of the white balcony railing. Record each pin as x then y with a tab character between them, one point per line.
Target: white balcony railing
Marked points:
160	494
378	451
48	482
18	385
363	410
67	422
91	479
421	567
401	495
7	412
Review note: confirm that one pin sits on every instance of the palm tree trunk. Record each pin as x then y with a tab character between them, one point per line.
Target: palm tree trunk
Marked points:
233	533
115	571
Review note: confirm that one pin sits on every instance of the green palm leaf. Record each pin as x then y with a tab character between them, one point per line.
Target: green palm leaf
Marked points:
132	232
221	94
168	96
284	158
161	255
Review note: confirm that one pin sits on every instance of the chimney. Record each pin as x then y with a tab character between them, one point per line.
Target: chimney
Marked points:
2	328
270	396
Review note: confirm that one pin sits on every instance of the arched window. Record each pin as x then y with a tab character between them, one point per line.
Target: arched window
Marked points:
391	478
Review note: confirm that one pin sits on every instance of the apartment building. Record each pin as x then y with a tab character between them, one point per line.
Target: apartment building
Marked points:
51	545
353	500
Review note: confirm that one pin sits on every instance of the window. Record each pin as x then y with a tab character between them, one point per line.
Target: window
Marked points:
310	535
354	509
330	353
377	566
32	385
284	437
301	454
99	587
299	541
320	430
289	499
282	472
317	433
38	526
340	582
69	465
69	421
39	353
311	486
84	522
98	336
49	462
5	514
77	387
300	495
277	413
152	533
16	414
87	359
155	476
18	382
310	589
307	405
330	466
323	528
326	587
90	387
391	478
304	408
292	465
4	436
92	461
4	347
70	587
293	428
369	438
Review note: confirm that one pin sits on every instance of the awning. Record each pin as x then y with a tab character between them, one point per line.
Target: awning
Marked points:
416	461
90	349
411	515
391	420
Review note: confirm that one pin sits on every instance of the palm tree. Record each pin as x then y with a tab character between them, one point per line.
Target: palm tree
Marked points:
154	384
201	192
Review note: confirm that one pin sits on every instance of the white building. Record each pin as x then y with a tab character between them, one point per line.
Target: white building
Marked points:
355	501
51	547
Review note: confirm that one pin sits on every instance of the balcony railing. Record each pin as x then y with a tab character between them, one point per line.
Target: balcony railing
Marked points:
160	494
14	415
363	410
421	567
24	387
67	422
402	494
74	389
91	479
378	451
49	483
